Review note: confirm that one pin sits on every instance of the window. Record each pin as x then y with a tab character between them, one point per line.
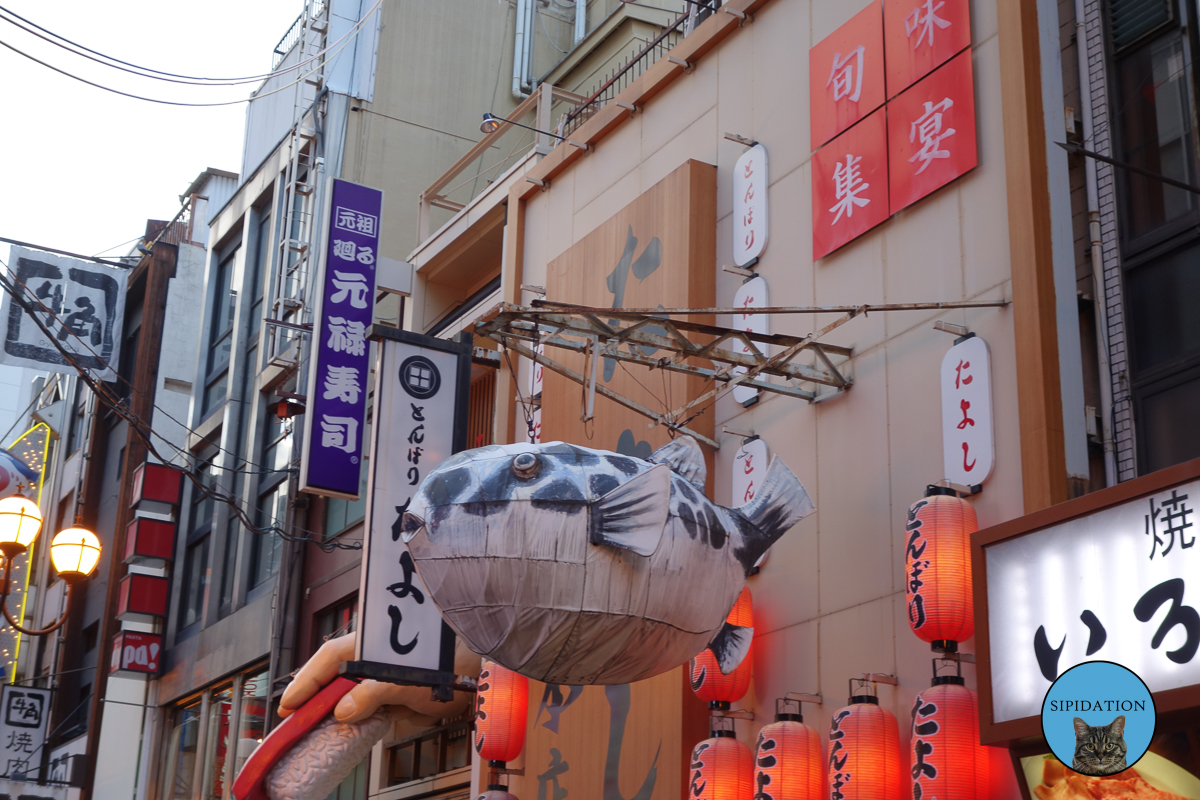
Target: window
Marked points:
336	620
220	335
194	579
1153	109
182	745
340	514
266	548
77	432
253	722
442	748
229	567
128	365
216	748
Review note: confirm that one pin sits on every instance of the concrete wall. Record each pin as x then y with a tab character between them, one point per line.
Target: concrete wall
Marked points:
830	602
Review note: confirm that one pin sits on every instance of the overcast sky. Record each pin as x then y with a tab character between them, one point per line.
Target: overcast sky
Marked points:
83	169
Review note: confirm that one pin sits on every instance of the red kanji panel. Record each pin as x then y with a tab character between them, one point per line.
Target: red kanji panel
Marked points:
850	185
845	75
920	36
931	133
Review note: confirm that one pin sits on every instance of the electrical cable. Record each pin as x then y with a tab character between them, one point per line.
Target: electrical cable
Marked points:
191	79
115	246
257	96
542	20
136	424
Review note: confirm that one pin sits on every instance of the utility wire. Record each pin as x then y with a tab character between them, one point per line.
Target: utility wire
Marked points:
286	86
136	424
168	76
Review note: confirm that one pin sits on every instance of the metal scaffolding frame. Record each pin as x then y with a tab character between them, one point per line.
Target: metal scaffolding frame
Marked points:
625	334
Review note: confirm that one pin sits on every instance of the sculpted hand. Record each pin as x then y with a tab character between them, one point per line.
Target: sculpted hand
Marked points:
412	702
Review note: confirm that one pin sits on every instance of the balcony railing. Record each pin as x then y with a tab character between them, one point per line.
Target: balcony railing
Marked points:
292	36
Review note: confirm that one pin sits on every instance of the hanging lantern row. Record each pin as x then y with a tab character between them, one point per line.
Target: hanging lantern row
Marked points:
937	564
787	758
710	685
864	751
501	707
948	762
722	768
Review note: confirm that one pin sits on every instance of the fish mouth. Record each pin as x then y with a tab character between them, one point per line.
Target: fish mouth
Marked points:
410	526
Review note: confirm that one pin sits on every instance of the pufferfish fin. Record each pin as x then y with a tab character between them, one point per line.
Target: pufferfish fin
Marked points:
730	646
633	515
683	456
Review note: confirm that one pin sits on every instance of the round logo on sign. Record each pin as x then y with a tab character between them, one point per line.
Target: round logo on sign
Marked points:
419	377
1098	718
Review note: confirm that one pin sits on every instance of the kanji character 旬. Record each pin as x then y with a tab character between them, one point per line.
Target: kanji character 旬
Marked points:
847	75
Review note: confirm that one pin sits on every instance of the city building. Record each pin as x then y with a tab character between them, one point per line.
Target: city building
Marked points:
904	180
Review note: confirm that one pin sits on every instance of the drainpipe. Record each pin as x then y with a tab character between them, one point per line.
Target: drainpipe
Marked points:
1100	296
523	33
580	20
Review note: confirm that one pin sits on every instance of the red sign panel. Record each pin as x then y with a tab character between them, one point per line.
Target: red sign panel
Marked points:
142	597
156	482
136	652
845	75
149	541
931	133
850	185
920	36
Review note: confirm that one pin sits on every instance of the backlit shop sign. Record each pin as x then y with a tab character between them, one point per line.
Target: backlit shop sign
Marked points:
1111	576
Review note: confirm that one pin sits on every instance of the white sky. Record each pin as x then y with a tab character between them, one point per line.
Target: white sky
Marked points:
83	169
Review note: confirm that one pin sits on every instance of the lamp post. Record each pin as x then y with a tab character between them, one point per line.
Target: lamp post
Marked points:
492	123
75	552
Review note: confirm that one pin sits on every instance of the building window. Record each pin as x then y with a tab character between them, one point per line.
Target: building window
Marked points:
266	548
341	514
221	329
252	724
337	620
482	410
1153	109
181	753
76	434
442	748
194	579
216	749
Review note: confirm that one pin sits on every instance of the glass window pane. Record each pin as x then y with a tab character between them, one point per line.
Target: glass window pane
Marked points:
217	746
1155	119
214	393
253	720
230	564
1170	429
195	580
427	757
400	766
181	754
1164	296
267	547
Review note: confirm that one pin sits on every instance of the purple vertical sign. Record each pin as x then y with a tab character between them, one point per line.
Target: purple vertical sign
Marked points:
337	377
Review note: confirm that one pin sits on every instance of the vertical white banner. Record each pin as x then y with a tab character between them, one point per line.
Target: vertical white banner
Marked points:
415	430
750	205
967	437
750	295
23	716
749	467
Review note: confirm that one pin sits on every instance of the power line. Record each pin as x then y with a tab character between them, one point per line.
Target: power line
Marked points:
19	243
138	70
257	96
136	424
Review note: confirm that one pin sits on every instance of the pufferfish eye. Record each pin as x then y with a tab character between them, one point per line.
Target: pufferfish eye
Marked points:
526	465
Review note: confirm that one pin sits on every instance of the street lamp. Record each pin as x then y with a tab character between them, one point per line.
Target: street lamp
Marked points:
491	124
75	552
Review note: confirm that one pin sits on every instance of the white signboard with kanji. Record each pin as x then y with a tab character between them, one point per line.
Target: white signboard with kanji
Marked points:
967	438
750	295
23	715
1121	584
749	467
750	205
417	424
81	304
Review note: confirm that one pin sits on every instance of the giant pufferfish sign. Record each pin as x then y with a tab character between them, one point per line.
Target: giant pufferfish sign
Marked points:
578	566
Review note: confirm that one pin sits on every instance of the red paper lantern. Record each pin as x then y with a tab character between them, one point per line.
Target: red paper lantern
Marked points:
947	761
787	761
722	769
938	568
500	713
716	689
864	752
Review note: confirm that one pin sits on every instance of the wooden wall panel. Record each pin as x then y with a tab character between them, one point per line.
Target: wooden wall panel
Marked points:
680	213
